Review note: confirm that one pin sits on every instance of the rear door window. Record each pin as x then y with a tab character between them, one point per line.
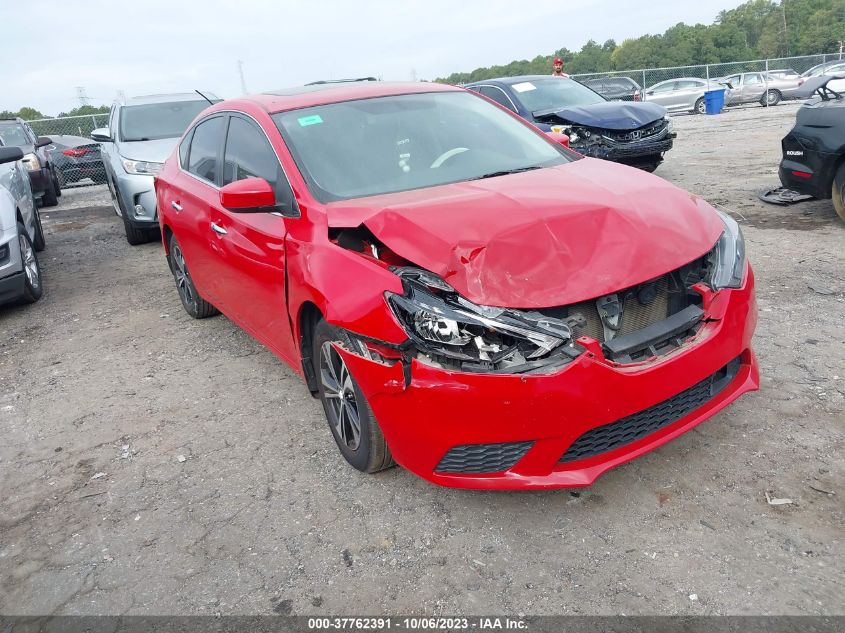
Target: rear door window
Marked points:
205	149
497	95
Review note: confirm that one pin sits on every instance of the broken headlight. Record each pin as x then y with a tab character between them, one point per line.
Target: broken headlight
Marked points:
448	327
728	257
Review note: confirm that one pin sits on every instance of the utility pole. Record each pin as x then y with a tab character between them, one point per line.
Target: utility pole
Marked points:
241	73
82	96
785	29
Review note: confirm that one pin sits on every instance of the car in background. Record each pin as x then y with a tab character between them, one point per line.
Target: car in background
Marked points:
681	95
76	158
766	89
466	297
814	150
615	88
833	68
21	234
142	132
42	176
636	134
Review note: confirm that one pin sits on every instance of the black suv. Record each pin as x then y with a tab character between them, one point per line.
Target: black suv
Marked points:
622	88
814	149
42	175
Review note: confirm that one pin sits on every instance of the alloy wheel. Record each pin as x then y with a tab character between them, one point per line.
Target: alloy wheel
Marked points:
339	393
183	278
30	263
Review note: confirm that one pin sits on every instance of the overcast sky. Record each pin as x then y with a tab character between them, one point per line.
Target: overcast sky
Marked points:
158	46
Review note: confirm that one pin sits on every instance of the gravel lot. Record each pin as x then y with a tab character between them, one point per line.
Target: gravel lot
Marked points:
106	381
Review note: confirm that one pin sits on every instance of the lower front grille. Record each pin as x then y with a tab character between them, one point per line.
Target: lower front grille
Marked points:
637	426
482	458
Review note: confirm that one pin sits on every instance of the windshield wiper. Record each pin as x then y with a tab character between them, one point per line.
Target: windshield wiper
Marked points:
505	172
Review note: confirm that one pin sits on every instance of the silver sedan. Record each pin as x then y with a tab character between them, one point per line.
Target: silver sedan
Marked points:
681	95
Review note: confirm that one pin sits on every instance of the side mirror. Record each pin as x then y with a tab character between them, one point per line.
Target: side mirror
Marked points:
251	195
10	154
43	141
101	135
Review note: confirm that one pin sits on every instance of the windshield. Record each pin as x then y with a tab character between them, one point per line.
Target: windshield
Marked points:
554	93
13	135
158	120
388	144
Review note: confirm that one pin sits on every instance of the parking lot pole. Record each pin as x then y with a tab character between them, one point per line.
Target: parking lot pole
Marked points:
644	86
766	87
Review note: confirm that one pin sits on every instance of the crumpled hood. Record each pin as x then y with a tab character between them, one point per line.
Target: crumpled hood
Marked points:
156	151
612	115
542	238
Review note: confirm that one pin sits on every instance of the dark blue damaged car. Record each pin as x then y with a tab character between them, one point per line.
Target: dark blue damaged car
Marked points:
636	134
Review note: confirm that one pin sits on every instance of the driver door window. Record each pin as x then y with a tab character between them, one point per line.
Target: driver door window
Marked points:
248	154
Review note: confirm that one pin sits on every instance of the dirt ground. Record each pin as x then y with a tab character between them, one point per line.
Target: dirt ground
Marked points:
106	382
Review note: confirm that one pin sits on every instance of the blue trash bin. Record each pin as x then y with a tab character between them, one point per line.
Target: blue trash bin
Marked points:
714	101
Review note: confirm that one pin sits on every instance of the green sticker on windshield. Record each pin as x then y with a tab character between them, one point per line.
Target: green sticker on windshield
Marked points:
310	120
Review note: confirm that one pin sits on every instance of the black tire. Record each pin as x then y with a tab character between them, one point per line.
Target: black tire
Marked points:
650	163
192	301
773	98
700	106
134	236
50	199
838	193
39	243
60	178
57	186
33	283
368	451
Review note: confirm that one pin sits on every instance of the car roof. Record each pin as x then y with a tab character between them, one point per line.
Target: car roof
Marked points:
297	97
509	81
167	98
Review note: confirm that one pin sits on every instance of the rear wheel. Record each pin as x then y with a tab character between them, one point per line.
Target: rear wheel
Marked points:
839	192
33	288
700	106
351	421
771	98
193	303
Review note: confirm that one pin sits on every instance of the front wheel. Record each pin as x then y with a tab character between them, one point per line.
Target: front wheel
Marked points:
39	243
50	198
839	192
33	288
351	421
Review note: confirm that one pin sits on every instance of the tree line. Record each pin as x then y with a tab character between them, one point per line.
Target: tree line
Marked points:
30	114
757	29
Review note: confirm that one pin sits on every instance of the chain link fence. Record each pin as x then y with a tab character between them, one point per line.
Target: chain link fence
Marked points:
681	88
75	157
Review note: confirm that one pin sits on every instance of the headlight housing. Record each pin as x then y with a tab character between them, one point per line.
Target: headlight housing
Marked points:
141	167
670	125
31	161
728	257
450	330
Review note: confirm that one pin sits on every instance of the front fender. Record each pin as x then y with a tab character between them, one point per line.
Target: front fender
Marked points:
346	288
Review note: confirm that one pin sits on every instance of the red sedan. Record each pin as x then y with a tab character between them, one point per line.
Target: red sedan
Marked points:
466	297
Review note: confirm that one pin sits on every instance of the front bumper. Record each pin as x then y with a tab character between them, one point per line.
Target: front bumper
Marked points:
535	419
138	199
624	152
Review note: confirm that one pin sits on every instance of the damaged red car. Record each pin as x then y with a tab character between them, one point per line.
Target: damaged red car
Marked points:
466	297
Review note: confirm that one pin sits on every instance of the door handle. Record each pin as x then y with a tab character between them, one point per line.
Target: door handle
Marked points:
218	229
176	206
